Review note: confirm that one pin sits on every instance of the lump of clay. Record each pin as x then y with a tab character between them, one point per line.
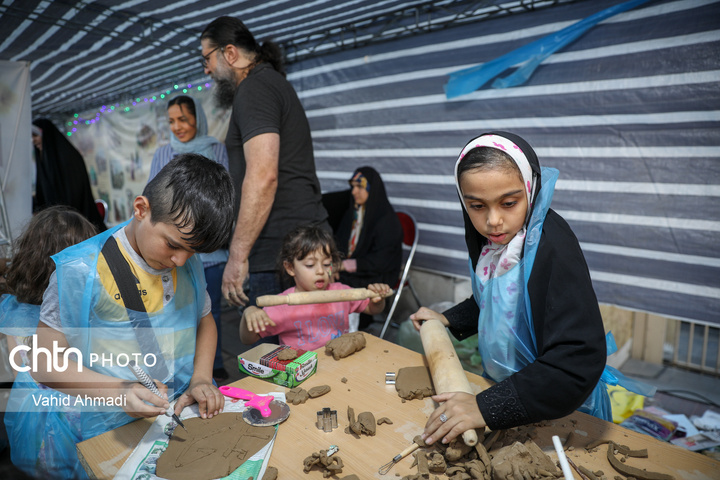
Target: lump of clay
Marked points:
318	391
345	345
365	423
414	382
287	354
297	395
328	465
384	420
436	463
527	460
456	450
271	473
216	447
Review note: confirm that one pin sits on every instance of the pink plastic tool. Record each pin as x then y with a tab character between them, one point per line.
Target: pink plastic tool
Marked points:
261	402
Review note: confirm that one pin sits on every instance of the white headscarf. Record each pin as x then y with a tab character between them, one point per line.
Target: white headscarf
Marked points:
497	259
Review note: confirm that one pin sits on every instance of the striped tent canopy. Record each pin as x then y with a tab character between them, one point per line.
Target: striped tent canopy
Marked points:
87	53
629	112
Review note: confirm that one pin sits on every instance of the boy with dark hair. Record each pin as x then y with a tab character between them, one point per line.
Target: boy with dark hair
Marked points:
135	292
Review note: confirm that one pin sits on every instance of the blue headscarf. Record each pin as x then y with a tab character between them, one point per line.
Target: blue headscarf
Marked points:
202	143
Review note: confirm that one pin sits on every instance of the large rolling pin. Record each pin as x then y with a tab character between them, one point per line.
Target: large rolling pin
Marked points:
445	369
317	296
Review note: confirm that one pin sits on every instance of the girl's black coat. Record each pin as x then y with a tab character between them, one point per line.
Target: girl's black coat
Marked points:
569	333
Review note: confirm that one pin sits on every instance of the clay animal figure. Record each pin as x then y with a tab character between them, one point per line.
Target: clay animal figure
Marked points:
345	345
213	448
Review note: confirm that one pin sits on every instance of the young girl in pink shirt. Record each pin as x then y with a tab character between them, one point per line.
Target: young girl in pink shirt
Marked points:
307	257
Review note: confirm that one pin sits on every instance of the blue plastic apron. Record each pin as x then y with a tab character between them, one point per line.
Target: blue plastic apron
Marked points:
44	438
506	337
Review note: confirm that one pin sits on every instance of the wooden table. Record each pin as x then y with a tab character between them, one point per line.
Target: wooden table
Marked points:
365	390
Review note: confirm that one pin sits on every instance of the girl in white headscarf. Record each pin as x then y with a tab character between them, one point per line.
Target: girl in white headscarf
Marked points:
540	333
189	134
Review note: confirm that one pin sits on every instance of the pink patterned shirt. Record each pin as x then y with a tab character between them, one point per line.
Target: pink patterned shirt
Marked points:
311	326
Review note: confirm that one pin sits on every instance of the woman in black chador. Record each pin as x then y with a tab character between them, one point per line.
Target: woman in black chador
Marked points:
62	178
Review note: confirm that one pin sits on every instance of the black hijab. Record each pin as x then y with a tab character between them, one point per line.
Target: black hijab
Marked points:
475	242
376	206
62	178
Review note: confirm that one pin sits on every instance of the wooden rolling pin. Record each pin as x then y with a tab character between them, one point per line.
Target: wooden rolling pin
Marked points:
445	369
317	296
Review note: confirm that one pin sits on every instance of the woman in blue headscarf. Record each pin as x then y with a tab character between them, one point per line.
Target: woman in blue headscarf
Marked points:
189	128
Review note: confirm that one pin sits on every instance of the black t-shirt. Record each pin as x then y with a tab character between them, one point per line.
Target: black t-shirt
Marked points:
265	102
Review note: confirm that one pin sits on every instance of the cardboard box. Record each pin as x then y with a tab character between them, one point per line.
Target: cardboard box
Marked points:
262	362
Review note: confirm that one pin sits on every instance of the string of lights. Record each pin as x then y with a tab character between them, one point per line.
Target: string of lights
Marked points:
78	121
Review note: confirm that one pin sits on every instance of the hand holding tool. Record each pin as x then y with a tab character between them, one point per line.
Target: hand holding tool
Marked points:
147	382
317	296
445	368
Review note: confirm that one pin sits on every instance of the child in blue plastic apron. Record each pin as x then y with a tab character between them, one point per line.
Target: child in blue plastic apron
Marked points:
540	333
47	233
169	330
189	134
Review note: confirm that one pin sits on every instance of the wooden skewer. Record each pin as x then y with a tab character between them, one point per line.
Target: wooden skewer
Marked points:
317	296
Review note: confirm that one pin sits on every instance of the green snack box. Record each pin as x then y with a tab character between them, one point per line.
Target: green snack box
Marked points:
262	362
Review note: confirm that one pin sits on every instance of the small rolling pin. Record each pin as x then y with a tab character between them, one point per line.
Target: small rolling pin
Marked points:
317	296
445	369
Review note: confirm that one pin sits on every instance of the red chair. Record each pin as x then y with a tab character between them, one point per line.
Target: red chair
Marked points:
410	240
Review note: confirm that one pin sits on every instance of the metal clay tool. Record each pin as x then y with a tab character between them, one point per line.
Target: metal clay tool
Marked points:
390	378
262	411
326	419
147	382
386	468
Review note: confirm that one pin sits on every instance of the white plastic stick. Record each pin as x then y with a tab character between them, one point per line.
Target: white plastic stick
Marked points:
567	471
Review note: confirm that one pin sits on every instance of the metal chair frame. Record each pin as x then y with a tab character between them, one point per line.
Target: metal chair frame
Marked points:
404	279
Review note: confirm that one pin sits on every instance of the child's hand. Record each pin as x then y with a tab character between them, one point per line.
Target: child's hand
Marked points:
256	319
461	413
210	400
136	395
427	314
381	289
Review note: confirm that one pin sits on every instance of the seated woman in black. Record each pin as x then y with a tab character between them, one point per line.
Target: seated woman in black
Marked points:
369	235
